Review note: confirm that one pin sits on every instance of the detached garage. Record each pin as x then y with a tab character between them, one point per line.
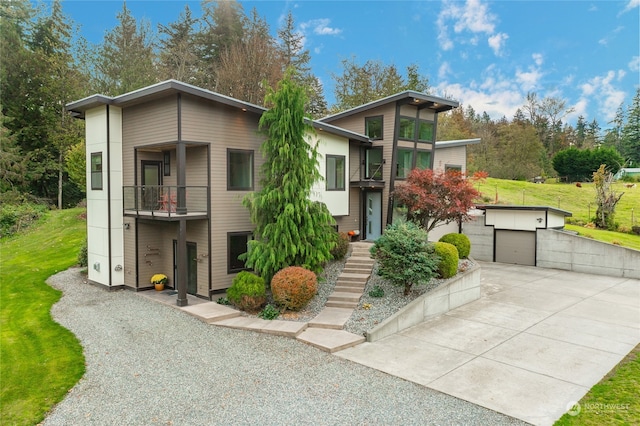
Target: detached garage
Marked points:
515	229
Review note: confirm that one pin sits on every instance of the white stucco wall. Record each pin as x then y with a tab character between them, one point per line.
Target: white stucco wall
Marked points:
337	201
99	226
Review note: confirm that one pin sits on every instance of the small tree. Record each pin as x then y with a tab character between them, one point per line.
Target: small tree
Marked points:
606	199
432	197
404	255
291	230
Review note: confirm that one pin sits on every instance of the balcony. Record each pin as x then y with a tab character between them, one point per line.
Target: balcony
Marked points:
166	202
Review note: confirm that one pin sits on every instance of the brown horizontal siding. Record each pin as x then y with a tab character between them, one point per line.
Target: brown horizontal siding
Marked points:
150	123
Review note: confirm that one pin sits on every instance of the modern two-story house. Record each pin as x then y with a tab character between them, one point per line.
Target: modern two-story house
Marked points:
168	166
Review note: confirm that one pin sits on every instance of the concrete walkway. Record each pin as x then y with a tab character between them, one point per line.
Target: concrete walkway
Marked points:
536	341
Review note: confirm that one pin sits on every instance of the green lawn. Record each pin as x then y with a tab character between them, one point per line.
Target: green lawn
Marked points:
579	201
613	401
39	360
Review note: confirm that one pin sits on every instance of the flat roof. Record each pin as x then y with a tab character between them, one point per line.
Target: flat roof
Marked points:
514	207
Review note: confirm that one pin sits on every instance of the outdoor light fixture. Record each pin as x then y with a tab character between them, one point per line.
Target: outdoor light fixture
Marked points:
539	220
126	225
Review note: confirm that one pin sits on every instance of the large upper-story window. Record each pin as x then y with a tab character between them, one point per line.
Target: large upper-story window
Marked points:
425	131
373	127
335	172
407	128
239	170
96	170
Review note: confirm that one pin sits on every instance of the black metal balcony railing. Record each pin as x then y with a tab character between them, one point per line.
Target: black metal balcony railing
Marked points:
166	201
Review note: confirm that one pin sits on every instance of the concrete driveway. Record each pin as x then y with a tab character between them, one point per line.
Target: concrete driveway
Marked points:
533	344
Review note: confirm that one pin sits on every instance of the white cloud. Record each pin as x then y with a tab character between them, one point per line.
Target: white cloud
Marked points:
320	27
528	80
496	42
444	70
497	103
537	58
471	17
632	4
602	92
634	64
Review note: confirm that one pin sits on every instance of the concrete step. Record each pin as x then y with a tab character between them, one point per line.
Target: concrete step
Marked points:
360	284
349	289
362	261
345	276
331	318
344	305
360	253
340	296
330	340
354	270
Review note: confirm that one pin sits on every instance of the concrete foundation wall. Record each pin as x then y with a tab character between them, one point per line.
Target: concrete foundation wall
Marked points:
481	238
459	290
562	250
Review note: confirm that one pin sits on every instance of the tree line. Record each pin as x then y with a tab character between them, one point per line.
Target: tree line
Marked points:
47	64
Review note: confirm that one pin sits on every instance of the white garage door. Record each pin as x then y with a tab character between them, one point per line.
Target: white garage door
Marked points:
517	247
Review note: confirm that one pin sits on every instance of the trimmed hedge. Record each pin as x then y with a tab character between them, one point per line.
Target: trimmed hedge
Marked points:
461	242
293	287
247	292
448	254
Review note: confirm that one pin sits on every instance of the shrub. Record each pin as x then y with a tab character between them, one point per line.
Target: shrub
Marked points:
269	312
377	291
461	242
83	256
247	291
293	287
404	256
14	217
448	254
339	251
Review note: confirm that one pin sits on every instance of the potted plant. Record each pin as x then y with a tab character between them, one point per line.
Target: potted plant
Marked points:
159	280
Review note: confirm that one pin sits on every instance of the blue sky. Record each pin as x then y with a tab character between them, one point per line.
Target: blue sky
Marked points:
487	54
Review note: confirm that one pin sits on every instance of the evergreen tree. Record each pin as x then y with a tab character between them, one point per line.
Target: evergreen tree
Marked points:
291	230
178	59
125	60
630	141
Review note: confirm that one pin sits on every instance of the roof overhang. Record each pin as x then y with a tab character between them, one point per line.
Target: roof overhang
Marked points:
459	142
165	88
529	208
352	136
409	97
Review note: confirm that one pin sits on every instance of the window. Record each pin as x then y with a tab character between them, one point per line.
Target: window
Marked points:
96	170
335	172
237	244
373	127
404	160
425	133
239	170
373	162
407	128
423	160
166	166
452	168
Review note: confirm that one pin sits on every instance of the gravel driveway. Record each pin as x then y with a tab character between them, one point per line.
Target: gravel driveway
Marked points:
151	364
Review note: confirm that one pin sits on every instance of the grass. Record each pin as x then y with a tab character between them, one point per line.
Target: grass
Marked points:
613	401
39	359
579	201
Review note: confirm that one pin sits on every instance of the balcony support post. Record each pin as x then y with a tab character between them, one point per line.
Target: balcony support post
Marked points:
181	263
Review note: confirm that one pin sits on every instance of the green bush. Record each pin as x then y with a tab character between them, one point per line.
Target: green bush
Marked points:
339	251
448	254
247	291
461	242
377	291
269	312
14	217
293	287
404	256
83	256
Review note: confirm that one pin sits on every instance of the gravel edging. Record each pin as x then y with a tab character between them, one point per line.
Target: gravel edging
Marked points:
147	363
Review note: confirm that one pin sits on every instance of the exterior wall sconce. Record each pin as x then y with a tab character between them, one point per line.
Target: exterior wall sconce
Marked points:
118	268
96	266
126	225
539	220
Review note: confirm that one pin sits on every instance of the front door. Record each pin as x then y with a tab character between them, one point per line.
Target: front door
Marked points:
192	267
373	215
151	181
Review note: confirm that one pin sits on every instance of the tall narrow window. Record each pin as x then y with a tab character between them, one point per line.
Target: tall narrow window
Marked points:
96	170
423	160
407	128
373	162
373	127
237	244
166	166
404	160
239	170
335	172
425	133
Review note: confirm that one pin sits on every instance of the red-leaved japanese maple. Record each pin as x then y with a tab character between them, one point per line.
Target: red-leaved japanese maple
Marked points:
434	198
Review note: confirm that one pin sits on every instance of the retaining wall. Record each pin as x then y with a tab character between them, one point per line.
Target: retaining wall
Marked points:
459	290
562	250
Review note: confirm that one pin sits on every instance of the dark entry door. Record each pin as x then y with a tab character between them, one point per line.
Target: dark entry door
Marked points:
151	181
192	267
